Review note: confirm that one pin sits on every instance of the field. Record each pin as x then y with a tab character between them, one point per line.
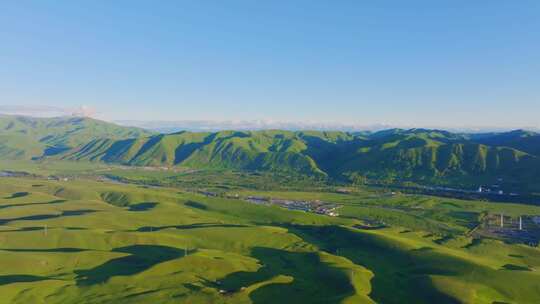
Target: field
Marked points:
320	152
89	241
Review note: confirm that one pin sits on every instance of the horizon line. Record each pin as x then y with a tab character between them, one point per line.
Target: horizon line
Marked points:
268	124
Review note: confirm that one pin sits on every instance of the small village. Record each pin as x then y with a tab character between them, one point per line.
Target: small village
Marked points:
316	206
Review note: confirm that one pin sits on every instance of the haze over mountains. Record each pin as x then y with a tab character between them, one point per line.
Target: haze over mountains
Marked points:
419	155
251	125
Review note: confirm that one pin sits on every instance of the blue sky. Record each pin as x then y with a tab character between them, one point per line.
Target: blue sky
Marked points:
416	63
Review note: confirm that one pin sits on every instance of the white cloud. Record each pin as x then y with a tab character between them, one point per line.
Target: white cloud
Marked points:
210	125
83	110
47	111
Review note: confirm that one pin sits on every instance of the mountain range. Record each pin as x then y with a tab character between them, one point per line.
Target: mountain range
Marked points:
417	155
24	137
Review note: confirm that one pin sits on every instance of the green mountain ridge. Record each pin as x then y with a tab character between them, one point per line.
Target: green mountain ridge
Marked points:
23	137
519	139
261	150
422	156
395	155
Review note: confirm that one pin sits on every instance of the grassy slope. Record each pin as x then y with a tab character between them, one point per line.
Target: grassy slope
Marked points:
414	155
96	252
522	140
265	150
27	137
425	156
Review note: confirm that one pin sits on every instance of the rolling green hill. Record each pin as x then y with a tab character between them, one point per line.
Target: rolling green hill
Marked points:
395	155
519	139
24	137
430	157
84	241
263	150
419	155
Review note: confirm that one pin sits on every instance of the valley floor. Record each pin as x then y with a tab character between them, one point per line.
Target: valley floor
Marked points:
84	241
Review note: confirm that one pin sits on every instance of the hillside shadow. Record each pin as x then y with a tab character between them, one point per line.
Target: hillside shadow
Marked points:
474	242
117	199
40	217
318	148
54	150
24	229
17	195
20	278
405	273
117	149
313	280
142	206
184	151
75	228
152	141
515	267
190	226
411	143
443	240
140	258
77	212
33	204
62	250
196	205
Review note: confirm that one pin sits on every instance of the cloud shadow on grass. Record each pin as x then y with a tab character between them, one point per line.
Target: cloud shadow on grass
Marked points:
40	217
33	204
189	226
17	195
312	279
20	278
140	258
142	206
